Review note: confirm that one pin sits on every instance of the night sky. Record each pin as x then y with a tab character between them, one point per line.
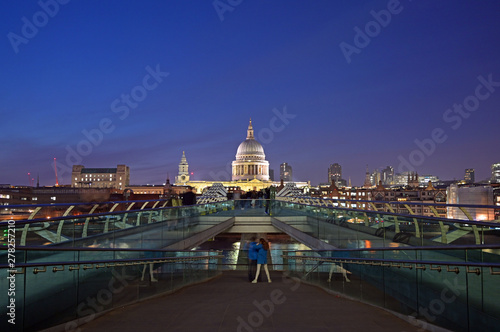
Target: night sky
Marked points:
411	84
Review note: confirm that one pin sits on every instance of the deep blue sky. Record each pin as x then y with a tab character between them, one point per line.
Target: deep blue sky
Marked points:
262	58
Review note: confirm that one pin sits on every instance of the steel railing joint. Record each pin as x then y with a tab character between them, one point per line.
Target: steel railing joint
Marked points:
476	270
37	270
438	268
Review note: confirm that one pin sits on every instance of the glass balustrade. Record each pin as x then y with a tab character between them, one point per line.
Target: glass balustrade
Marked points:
59	286
455	288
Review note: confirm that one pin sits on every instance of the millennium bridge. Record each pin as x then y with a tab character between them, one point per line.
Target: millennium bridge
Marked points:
102	265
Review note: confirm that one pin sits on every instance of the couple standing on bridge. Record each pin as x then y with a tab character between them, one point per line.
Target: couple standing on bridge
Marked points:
257	256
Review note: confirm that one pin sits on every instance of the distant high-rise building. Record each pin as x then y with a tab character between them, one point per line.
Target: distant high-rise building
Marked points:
334	173
286	172
387	175
469	175
495	173
375	177
368	182
271	174
117	178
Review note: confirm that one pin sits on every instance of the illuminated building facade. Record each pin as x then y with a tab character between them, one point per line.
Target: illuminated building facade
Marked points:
250	160
249	171
183	177
474	195
495	173
335	173
117	178
286	172
469	175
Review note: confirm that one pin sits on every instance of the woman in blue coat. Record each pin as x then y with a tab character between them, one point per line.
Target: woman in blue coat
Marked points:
263	248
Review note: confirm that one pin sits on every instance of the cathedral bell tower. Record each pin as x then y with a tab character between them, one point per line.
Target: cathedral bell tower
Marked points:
183	177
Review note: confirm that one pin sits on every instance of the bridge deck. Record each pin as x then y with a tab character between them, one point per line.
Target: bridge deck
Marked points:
231	303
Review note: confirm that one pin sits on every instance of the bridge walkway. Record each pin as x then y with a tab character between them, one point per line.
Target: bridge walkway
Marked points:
230	303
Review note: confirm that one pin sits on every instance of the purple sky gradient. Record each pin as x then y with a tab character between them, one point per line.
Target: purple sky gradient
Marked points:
65	86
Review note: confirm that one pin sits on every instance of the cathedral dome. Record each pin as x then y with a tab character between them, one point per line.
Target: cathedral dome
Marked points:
250	160
250	149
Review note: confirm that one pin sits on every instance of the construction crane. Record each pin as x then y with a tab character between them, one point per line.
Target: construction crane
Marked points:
55	169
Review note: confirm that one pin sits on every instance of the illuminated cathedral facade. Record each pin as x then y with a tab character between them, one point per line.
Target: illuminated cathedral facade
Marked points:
249	170
250	160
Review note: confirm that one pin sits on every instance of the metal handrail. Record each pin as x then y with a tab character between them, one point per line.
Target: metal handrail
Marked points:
106	262
410	216
278	198
417	264
55	249
95	215
76	203
397	203
438	247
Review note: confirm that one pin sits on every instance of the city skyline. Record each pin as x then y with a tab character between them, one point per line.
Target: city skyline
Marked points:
383	83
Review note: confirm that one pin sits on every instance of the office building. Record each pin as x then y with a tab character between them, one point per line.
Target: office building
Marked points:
469	175
116	178
495	173
387	176
335	173
286	172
